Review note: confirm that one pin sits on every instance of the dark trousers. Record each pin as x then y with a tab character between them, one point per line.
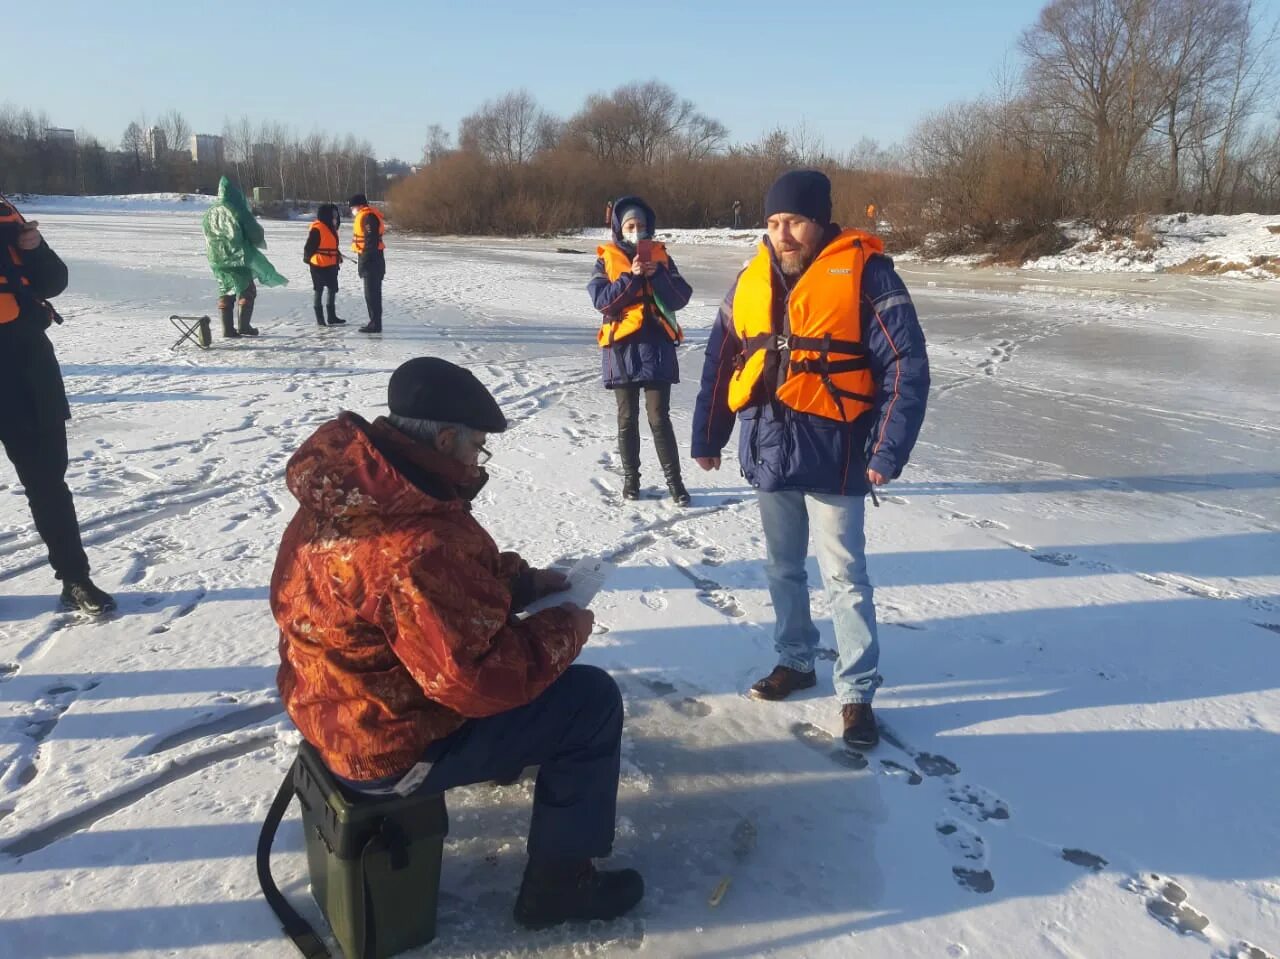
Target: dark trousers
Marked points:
657	404
333	290
373	298
40	457
573	731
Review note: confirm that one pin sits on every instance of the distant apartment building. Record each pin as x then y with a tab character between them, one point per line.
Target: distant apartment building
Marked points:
60	135
206	149
265	155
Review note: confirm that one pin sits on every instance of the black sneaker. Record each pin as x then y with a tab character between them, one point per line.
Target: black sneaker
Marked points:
576	892
860	729
782	682
87	598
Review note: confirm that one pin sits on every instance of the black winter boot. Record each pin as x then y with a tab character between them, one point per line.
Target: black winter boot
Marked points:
370	328
631	486
679	495
246	314
227	310
563	892
84	596
334	319
320	316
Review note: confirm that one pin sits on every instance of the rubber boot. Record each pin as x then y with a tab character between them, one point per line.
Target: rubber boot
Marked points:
246	314
320	316
334	319
227	310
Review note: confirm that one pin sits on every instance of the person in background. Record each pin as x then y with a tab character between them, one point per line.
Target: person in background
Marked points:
235	241
637	289
368	226
322	255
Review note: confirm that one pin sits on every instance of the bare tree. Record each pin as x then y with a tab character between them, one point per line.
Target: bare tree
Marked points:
1097	62
134	143
506	130
177	131
438	144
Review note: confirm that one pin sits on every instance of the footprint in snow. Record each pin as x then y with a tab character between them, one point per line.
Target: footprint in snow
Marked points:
1167	903
970	853
823	742
978	803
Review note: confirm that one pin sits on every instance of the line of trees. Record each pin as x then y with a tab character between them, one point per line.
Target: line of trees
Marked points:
1113	108
156	156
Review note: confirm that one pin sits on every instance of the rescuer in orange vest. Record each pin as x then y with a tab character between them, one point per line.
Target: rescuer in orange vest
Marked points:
637	289
367	229
819	355
321	253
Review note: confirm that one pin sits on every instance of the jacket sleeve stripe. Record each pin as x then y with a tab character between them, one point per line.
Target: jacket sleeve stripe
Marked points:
890	300
897	379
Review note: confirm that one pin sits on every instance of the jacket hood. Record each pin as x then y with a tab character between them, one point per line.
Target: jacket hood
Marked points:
621	204
350	468
327	213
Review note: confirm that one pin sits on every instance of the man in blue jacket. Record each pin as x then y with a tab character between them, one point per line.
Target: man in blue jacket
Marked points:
818	351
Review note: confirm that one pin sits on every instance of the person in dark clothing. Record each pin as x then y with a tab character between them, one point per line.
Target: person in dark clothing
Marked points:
322	255
367	229
638	296
34	402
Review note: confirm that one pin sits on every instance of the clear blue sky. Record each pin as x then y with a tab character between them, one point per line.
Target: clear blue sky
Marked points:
847	68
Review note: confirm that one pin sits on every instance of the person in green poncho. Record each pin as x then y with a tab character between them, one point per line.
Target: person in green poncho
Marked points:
236	240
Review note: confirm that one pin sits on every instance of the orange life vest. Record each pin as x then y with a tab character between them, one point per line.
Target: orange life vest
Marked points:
326	253
827	371
360	228
618	326
10	308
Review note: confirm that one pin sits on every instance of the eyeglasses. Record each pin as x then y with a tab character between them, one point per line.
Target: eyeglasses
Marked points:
482	454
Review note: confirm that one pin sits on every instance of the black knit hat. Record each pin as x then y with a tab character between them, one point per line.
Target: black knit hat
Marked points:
806	192
358	200
429	388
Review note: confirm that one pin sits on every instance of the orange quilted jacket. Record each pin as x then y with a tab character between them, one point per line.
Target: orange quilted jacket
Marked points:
394	604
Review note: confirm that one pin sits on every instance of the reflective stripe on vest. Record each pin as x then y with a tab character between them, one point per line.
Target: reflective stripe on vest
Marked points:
327	253
617	326
10	308
827	371
359	227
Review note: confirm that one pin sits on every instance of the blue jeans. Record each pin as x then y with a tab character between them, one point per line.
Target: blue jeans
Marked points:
841	547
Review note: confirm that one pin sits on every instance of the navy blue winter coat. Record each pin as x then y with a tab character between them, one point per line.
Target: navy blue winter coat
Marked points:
781	449
648	355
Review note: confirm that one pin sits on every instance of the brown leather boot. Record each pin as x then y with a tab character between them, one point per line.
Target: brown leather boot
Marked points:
860	729
782	682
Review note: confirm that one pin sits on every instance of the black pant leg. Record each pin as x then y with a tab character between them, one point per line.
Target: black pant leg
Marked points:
628	398
40	459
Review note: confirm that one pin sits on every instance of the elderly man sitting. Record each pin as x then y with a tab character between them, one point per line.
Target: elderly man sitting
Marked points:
401	660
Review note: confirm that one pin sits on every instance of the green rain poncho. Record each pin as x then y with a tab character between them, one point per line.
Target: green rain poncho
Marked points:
236	242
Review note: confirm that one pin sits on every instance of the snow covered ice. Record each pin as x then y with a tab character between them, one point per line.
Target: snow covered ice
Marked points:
1078	580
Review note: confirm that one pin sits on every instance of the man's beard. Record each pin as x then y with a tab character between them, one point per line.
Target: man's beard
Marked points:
793	264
